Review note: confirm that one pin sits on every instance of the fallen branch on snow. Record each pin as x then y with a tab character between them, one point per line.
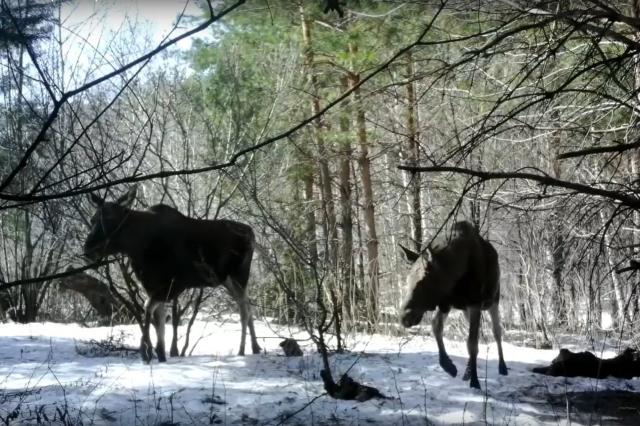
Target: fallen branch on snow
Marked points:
347	388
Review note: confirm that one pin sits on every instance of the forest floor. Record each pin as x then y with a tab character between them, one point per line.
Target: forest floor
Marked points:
57	374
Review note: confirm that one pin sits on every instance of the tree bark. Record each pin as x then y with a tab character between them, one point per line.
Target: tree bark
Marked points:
328	206
618	301
414	156
347	269
635	172
372	287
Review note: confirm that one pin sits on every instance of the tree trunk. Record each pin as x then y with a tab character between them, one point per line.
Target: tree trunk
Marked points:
346	213
635	175
618	300
328	206
558	242
372	287
413	157
307	180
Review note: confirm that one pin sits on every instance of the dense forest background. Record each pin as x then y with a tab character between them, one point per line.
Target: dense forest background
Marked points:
336	138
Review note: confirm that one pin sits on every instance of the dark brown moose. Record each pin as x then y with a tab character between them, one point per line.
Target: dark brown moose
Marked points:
171	252
459	270
625	365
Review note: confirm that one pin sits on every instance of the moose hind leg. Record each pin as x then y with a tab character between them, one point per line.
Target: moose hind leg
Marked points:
159	320
255	347
175	322
146	348
437	325
471	373
238	294
494	311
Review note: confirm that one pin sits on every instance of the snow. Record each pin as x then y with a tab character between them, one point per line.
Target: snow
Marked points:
45	380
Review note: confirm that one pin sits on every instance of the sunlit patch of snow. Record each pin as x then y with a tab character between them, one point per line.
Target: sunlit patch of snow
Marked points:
40	369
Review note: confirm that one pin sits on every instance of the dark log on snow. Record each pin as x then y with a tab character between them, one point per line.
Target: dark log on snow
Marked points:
290	347
572	364
347	388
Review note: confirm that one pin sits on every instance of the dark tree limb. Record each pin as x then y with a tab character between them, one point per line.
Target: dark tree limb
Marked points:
601	150
4	285
546	180
634	265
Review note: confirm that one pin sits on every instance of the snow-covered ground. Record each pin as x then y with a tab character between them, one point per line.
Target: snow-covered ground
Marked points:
45	380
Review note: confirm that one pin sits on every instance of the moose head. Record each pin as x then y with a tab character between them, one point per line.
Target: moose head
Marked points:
106	225
427	286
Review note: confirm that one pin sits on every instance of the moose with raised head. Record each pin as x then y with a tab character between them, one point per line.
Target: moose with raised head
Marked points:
171	252
458	270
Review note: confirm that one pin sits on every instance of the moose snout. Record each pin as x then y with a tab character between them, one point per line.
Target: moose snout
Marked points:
410	318
92	251
89	253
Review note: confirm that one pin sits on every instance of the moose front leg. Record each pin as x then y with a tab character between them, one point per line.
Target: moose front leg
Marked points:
437	325
471	373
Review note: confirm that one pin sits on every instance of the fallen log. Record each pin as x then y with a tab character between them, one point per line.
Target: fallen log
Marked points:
349	389
94	290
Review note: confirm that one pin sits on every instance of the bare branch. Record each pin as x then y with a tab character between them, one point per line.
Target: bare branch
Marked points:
600	150
624	199
32	198
45	278
57	104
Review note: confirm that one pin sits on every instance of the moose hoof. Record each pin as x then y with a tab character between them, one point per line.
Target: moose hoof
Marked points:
146	350
502	369
146	354
448	366
467	374
256	350
474	383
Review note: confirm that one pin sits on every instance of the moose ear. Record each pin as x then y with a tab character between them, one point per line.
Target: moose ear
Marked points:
127	199
428	255
95	200
411	256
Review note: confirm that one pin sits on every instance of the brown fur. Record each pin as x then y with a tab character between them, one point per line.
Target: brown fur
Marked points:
459	270
626	365
170	252
290	347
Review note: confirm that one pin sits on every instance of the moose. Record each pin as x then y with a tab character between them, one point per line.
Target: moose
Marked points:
169	253
459	270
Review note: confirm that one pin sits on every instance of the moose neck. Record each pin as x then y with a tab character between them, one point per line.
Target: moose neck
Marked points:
127	236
